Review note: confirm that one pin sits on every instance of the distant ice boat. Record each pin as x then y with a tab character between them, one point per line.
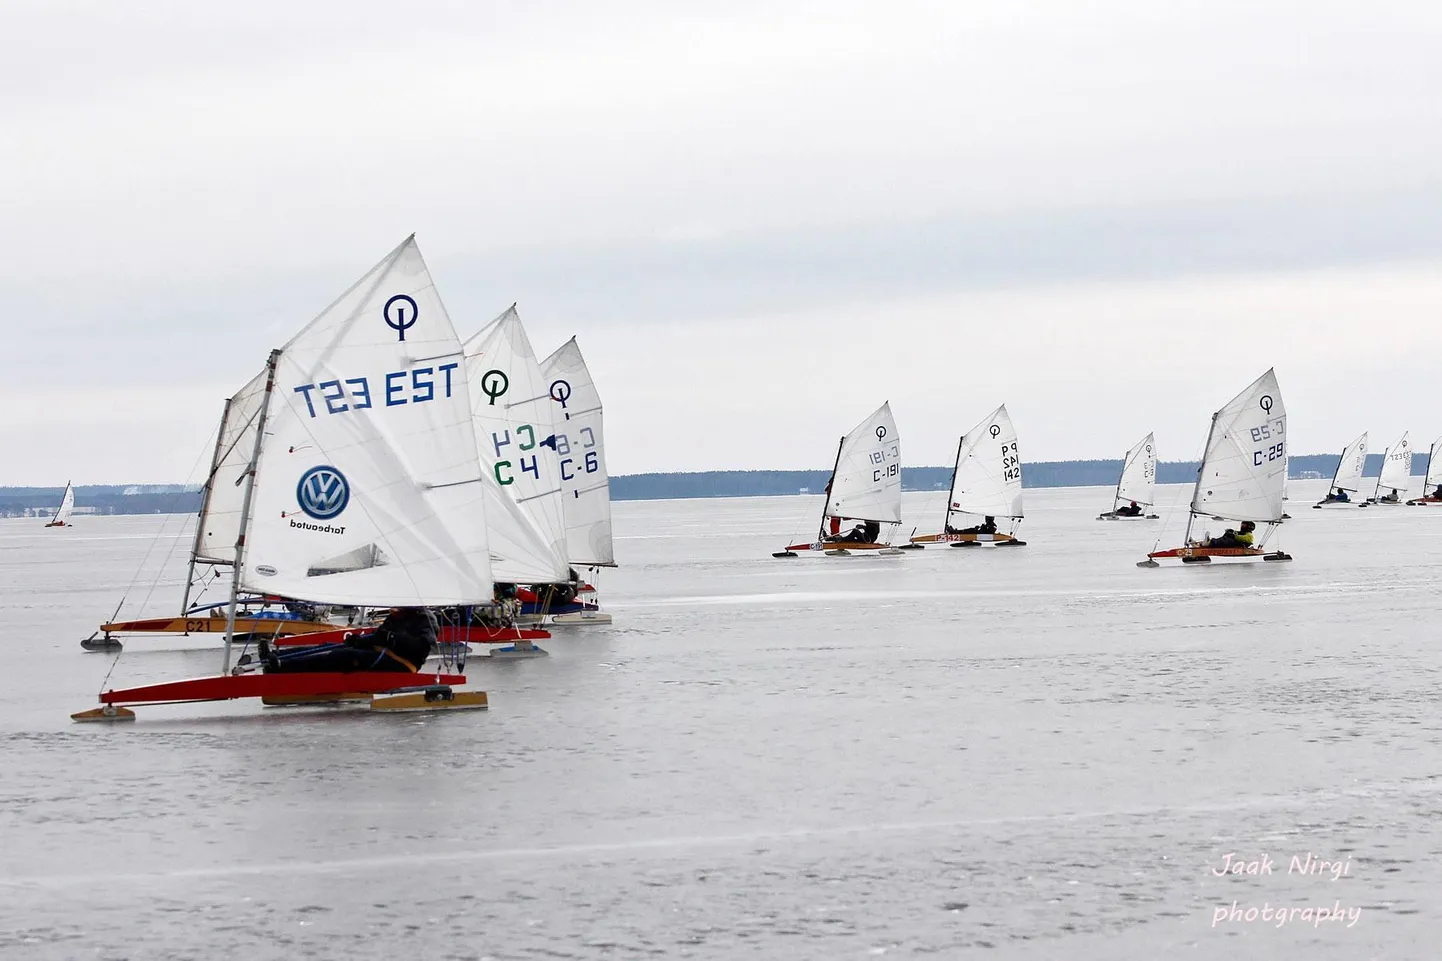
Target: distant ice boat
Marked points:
1432	483
1348	477
66	508
865	486
1395	475
1137	484
1242	475
985	486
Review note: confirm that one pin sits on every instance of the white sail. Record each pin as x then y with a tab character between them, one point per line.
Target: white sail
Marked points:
1139	474
67	506
867	483
516	438
581	449
1244	468
369	445
218	527
1396	468
988	469
1434	468
1350	467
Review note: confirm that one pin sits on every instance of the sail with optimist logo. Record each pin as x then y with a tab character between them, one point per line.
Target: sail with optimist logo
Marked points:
986	487
1396	473
864	491
581	451
1347	479
363	484
516	437
1137	486
1241	479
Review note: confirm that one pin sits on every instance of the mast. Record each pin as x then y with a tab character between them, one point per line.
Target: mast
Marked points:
1197	490
1117	497
829	485
951	487
270	366
204	503
1377	492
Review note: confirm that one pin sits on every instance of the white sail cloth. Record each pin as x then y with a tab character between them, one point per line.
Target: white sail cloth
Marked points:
1139	474
987	480
581	453
218	527
369	445
1243	471
1396	467
517	442
66	508
1351	465
1434	468
867	482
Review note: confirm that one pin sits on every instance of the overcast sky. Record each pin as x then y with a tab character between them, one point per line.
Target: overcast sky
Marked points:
760	219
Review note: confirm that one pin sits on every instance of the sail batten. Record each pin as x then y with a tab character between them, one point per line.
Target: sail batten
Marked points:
987	479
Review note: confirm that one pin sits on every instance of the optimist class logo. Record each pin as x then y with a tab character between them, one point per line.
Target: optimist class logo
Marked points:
322	492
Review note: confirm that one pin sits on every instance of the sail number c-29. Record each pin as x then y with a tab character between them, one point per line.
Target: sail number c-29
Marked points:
1272	430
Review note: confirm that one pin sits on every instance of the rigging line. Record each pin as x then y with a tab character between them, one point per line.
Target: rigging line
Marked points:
164	524
1172	507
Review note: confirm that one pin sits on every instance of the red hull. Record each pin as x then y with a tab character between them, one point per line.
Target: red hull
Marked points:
475	634
226	687
1210	552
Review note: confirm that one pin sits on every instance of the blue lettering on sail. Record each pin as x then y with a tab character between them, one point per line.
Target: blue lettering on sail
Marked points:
416	385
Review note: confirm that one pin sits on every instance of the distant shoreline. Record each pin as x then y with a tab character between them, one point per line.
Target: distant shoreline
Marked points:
179	499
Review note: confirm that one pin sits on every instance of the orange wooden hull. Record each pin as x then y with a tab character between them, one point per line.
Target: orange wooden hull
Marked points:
227	687
1185	552
962	538
836	546
244	624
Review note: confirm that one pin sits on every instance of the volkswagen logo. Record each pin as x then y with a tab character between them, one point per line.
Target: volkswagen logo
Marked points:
322	492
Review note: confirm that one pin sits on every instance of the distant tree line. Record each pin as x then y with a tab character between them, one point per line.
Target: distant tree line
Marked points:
128	499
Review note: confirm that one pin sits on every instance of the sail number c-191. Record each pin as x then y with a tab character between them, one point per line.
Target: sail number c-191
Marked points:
883	470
